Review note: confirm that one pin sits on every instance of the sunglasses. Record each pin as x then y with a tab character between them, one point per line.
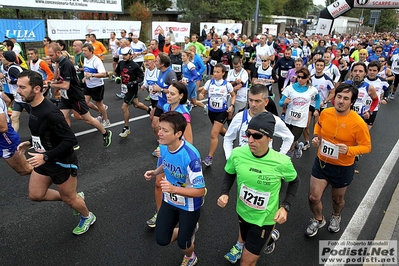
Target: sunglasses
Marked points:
381	61
301	77
265	60
254	135
378	51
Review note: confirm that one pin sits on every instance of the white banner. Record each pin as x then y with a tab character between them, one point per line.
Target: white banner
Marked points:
392	4
59	29
106	6
324	26
180	30
221	27
272	29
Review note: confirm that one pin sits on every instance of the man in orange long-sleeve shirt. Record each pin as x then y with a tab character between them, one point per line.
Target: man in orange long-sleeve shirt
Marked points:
340	134
99	48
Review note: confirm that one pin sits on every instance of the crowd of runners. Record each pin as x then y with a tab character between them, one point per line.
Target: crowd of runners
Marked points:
329	91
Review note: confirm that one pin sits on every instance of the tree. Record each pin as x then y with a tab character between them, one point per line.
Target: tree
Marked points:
140	12
297	8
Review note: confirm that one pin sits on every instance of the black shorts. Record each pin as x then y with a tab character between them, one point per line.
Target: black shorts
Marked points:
280	84
158	111
59	172
396	80
96	93
220	117
311	109
80	107
153	103
369	121
115	59
336	176
167	219
131	94
296	131
254	236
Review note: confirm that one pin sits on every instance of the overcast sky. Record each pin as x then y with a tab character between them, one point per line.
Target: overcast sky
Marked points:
319	2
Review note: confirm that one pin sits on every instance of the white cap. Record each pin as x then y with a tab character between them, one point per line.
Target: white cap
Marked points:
126	50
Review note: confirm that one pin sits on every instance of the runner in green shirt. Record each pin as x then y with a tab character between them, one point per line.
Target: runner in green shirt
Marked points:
259	171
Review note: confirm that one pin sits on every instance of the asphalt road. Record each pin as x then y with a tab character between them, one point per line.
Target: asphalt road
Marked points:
34	233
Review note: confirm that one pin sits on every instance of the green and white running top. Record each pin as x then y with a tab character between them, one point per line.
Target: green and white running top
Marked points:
259	183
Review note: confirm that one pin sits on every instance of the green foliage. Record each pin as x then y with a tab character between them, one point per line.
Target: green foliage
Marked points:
11	13
297	8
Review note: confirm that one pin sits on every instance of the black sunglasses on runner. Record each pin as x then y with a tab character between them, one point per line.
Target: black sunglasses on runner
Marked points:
254	135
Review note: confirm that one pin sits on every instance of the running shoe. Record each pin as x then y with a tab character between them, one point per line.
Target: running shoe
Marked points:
314	227
149	109
153	221
195	231
106	107
76	147
306	146
270	247
298	150
147	98
234	254
290	154
82	195
100	118
205	109
189	107
125	132
84	224
108	139
106	123
189	261
391	96
335	224
208	160
120	95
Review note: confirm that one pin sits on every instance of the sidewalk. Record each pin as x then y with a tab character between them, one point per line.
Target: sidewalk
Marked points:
389	228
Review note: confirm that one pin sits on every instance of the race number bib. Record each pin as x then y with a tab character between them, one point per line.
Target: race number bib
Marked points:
175	198
217	103
295	114
37	144
176	68
357	107
253	198
329	149
283	73
213	62
64	94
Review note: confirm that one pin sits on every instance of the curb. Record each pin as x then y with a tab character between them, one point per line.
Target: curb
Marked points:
388	224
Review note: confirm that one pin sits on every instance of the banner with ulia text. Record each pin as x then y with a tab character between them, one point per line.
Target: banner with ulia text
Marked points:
24	30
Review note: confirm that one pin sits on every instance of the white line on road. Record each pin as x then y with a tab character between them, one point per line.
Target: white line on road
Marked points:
362	213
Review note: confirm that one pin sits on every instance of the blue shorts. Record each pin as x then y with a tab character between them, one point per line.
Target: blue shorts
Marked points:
192	90
9	142
8	152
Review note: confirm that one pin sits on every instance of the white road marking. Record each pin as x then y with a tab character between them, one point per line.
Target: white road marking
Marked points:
362	212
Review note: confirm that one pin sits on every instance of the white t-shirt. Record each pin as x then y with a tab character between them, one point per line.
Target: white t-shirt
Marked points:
94	65
138	48
241	94
262	51
113	46
218	90
298	108
151	78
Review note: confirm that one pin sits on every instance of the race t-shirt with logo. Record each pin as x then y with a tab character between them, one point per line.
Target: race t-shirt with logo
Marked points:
93	66
323	84
298	109
218	90
380	85
138	49
182	168
361	102
68	74
164	80
151	78
259	183
395	64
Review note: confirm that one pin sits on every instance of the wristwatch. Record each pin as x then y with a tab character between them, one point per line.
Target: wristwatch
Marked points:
286	206
45	157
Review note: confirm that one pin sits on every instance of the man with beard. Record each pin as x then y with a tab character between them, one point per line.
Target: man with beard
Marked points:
340	134
54	160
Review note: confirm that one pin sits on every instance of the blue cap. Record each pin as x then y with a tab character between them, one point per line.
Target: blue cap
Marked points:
11	36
